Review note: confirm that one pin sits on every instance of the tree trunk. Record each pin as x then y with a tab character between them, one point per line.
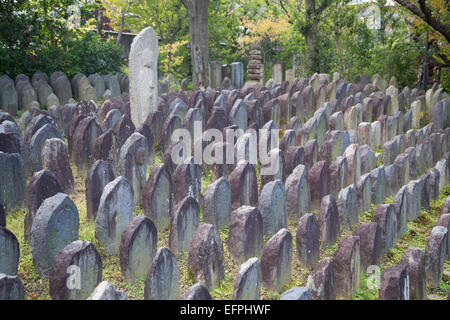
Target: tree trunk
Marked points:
197	11
311	50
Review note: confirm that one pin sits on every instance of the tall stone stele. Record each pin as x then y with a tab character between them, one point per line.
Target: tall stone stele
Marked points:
142	69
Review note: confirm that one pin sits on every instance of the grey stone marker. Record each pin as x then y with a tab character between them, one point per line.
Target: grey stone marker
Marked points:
100	174
276	261
217	204
133	163
115	211
55	225
444	221
42	185
197	292
187	180
394	283
391	173
378	178
298	198
205	257
329	221
244	185
346	265
386	219
163	278
184	223
272	205
55	158
245	237
137	248
76	272
414	260
106	291
297	293
237	74
11	288
319	183
307	240
321	281
338	175
435	255
157	196
370	244
348	207
413	191
10	252
248	281
401	211
364	193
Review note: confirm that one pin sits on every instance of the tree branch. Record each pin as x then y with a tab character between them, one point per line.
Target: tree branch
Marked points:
425	14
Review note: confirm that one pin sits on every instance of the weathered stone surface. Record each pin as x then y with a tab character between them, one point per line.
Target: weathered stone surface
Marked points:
346	265
157	196
413	191
55	225
100	174
197	292
338	175
217	203
42	185
307	240
2	215
276	261
272	205
353	163
297	293
364	193
386	219
329	221
348	207
248	281
370	244
322	281
115	211
394	283
378	178
12	180
184	222
133	161
298	198
244	185
206	256
84	137
319	183
106	291
435	255
37	141
10	252
137	248
11	288
78	264
414	261
444	221
55	158
163	278
401	211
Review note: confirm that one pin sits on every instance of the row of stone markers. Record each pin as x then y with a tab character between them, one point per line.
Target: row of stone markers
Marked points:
24	93
116	197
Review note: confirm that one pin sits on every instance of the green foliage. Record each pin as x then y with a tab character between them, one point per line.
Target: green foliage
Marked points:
34	36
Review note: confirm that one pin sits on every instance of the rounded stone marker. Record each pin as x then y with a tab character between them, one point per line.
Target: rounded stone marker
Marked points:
11	288
76	272
217	203
106	291
55	158
435	255
55	225
276	261
100	174
297	293
321	281
114	213
197	292
346	264
248	281
137	248
157	196
163	278
206	257
394	283
9	252
272	205
307	240
245	237
414	260
184	223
